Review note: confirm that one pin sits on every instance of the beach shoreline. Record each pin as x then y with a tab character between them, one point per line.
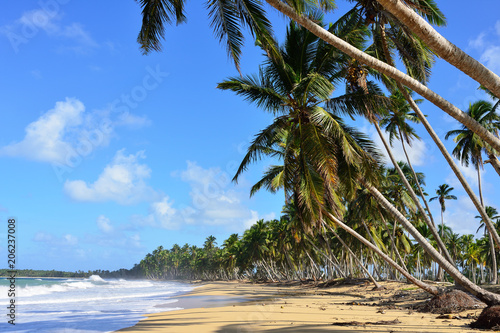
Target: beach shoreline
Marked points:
246	307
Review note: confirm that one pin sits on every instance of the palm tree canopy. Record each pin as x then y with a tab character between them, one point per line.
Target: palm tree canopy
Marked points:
227	18
469	145
443	193
321	155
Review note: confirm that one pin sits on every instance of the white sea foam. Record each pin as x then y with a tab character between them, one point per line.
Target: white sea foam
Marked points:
86	305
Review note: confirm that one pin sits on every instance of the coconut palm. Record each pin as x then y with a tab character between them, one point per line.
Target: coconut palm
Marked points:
228	16
493	215
443	194
322	157
441	46
385	69
470	148
390	35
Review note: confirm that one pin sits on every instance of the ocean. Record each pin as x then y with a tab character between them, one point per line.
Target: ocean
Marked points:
85	305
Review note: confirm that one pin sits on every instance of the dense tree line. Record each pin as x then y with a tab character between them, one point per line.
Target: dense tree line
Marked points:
135	272
278	250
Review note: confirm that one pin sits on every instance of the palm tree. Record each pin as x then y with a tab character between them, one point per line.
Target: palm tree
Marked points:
470	148
228	16
385	69
322	157
441	46
417	60
492	214
443	194
469	145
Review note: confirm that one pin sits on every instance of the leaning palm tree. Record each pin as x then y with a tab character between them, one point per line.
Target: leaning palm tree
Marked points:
228	17
385	69
441	46
470	148
323	160
390	36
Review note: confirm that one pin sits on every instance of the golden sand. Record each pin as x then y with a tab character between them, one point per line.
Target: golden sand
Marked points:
271	308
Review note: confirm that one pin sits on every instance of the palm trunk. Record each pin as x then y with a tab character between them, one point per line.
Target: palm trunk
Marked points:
484	295
440	274
393	242
430	289
414	196
420	191
449	159
493	160
494	269
442	47
388	70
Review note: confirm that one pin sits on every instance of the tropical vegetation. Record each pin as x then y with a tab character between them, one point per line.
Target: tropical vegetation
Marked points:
345	213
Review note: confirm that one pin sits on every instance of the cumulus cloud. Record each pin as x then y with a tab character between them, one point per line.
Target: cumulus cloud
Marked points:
66	134
470	174
122	181
46	139
48	238
460	215
214	202
113	237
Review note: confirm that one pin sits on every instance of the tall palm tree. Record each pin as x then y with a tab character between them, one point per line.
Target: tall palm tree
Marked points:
322	157
443	194
470	146
390	35
385	69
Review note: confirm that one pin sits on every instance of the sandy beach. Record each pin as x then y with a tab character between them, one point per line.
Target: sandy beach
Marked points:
245	307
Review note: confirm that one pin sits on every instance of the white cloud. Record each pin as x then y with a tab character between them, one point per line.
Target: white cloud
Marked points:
489	46
479	42
70	239
50	239
66	134
104	224
122	181
470	174
214	202
460	215
132	121
164	213
491	56
46	139
41	19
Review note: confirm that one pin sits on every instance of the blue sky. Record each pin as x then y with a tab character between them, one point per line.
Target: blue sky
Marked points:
106	154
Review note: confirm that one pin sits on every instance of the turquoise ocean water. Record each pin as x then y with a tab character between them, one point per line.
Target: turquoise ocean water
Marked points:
84	305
